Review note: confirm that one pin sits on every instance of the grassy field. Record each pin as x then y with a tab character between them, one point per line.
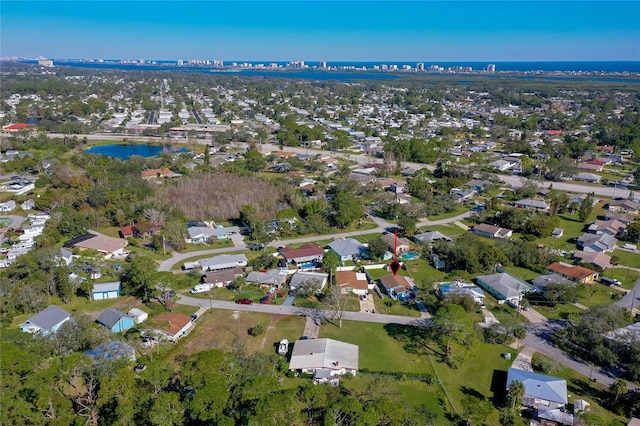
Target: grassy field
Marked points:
449	230
626	276
627	258
218	329
522	273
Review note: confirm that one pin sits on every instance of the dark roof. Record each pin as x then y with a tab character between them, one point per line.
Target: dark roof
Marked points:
73	241
110	317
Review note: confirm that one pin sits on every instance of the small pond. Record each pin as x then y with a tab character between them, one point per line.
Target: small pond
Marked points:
125	151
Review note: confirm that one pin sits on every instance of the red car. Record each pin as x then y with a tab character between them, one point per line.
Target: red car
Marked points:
244	302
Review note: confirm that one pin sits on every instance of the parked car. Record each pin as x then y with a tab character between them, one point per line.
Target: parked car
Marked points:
244	301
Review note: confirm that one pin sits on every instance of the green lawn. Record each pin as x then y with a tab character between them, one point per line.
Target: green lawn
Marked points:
522	273
461	209
627	258
207	246
395	307
448	230
379	351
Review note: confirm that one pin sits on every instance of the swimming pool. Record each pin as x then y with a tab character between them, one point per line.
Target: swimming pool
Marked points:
410	255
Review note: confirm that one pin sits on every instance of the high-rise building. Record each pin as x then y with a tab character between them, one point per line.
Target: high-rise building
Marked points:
420	66
180	62
491	68
323	64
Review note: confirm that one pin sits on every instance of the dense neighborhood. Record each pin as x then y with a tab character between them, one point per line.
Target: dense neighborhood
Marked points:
181	248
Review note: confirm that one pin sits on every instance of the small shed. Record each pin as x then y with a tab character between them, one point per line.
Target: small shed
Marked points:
103	291
115	320
557	233
138	315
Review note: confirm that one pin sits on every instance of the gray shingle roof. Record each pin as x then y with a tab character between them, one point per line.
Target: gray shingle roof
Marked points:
347	247
49	317
110	317
505	284
223	261
110	286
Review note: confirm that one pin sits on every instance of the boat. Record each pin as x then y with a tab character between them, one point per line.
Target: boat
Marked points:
283	347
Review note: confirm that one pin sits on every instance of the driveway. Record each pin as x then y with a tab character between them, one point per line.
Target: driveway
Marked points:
16	221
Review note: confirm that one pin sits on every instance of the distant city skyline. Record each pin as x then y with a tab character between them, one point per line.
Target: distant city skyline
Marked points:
426	31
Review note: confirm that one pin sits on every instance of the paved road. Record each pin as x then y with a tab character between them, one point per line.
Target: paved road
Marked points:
604	191
318	314
539	338
169	264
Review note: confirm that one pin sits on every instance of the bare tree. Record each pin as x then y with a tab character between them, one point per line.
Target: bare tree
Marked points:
338	303
155	218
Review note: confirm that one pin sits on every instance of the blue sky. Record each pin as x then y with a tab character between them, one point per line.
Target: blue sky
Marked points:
427	31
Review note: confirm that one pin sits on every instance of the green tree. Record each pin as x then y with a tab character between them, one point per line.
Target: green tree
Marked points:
167	410
348	209
255	161
452	330
377	248
515	394
617	389
139	277
586	207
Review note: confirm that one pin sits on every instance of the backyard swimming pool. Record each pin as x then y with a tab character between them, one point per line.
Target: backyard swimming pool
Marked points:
410	255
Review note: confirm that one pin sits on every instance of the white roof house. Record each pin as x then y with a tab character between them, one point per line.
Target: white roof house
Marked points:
223	261
138	315
324	355
505	287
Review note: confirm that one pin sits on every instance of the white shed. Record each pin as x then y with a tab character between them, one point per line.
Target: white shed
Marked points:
138	315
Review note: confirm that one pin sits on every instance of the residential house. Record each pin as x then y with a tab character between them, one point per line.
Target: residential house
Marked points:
107	246
138	315
159	173
624	206
46	322
530	204
539	389
128	231
28	205
173	325
398	287
324	356
503	165
610	226
574	272
103	291
593	167
199	234
223	261
597	259
491	231
462	194
7	206
308	253
347	249
400	244
64	255
626	335
543	281
353	282
271	278
462	289
115	320
221	278
429	237
303	278
505	287
597	242
437	262
587	177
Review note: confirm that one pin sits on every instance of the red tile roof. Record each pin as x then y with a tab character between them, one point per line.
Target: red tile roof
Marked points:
16	126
